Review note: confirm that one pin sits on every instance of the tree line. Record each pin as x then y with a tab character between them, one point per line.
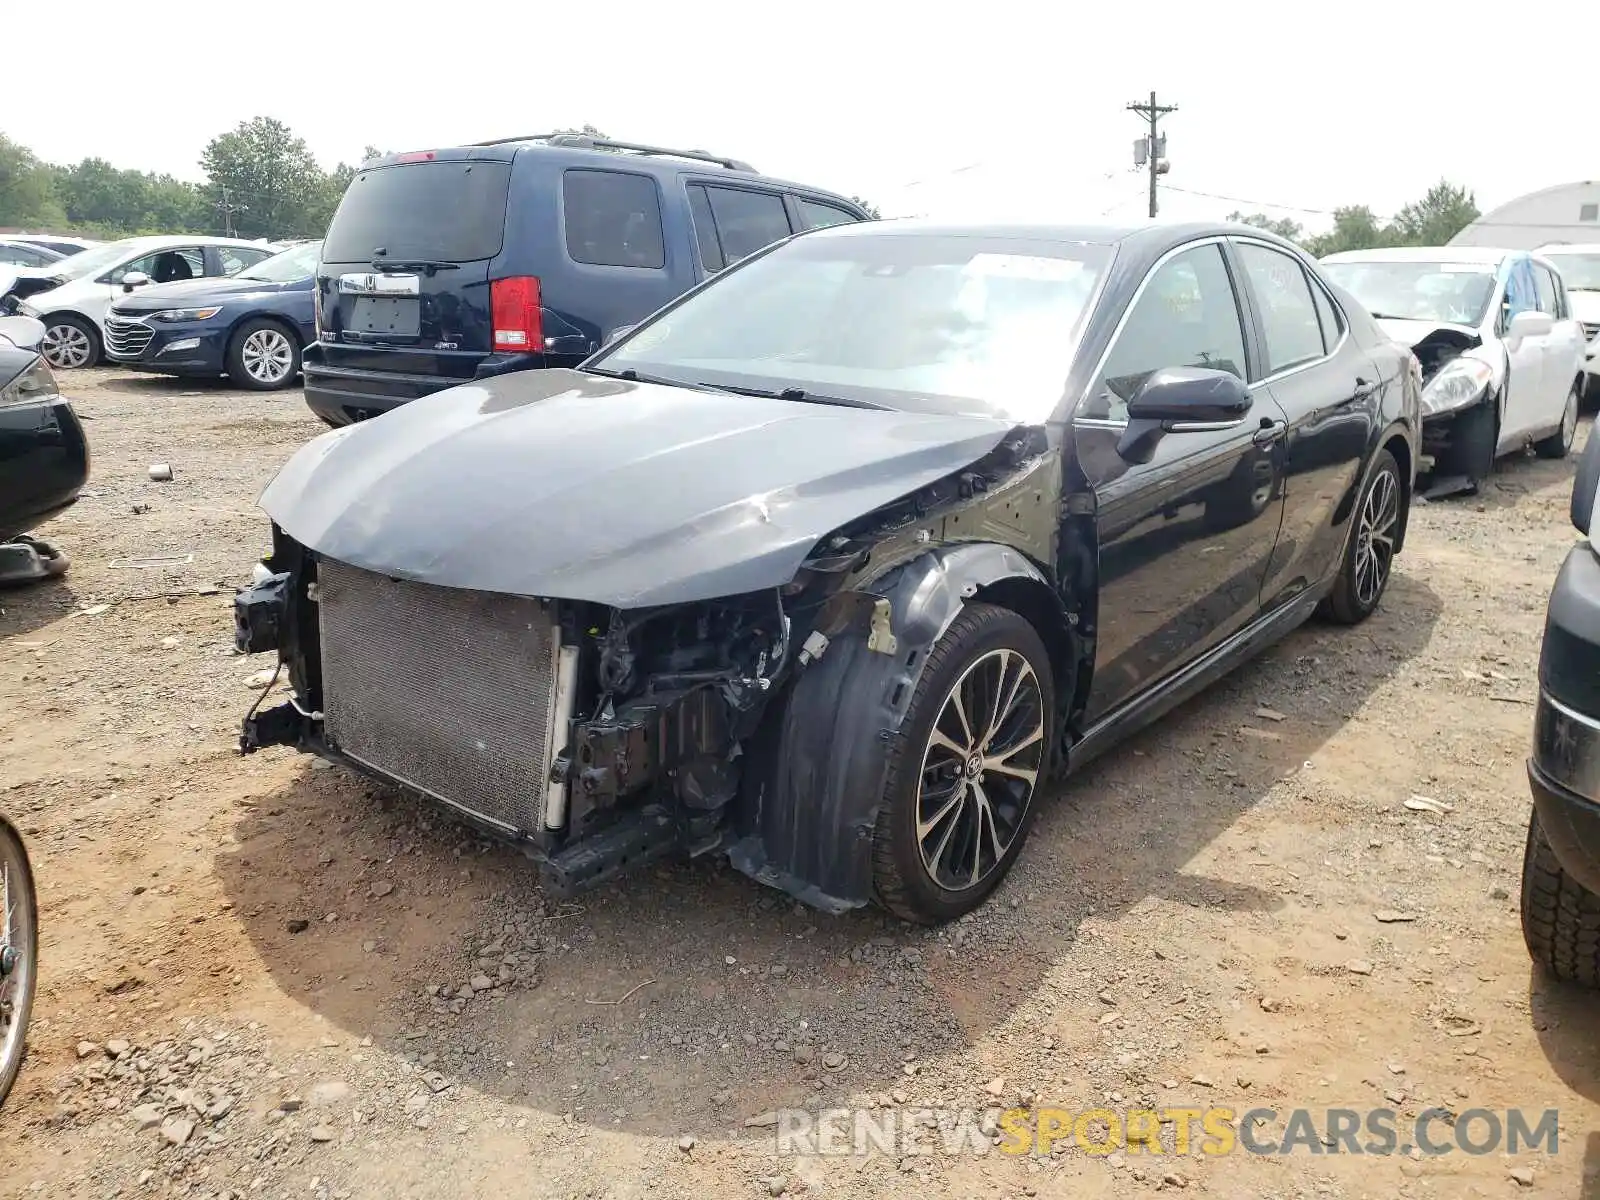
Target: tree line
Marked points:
261	181
1443	212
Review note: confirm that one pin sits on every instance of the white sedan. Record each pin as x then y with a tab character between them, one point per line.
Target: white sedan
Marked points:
74	310
1502	354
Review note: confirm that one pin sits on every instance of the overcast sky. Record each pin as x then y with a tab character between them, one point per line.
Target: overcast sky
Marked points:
1000	109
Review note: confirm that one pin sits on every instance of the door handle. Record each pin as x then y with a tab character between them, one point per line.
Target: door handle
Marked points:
1269	432
1364	390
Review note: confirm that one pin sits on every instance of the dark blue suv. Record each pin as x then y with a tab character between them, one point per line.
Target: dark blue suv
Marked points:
443	266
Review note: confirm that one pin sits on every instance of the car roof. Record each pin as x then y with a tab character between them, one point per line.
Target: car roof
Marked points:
1557	248
160	241
594	151
1488	255
1146	238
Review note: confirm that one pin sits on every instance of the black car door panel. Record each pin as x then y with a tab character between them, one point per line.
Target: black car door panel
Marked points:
1329	390
1184	539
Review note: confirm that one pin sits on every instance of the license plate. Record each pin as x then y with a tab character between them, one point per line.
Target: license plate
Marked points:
395	316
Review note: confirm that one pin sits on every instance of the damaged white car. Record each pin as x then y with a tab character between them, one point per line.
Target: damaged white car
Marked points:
1502	355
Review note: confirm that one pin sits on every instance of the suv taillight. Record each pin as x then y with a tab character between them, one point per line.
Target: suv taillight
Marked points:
514	313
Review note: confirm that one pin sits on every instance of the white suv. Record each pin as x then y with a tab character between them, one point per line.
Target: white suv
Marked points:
1580	271
74	311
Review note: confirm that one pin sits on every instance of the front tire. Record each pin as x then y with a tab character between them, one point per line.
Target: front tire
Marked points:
1375	526
963	776
263	356
1559	444
1560	917
70	342
19	952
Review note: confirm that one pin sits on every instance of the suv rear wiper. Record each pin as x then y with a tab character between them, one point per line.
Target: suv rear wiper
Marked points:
430	265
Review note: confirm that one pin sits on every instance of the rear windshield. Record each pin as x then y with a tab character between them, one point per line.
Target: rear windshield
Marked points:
443	211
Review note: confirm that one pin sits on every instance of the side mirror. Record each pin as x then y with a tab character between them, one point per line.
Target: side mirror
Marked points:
1585	484
134	279
1181	400
1529	323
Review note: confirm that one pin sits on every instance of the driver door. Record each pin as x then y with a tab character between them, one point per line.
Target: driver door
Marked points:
1525	399
1185	539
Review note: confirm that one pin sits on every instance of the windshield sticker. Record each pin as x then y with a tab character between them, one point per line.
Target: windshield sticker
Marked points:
1040	268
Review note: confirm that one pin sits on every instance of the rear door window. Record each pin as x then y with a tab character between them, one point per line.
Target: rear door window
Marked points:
428	211
1288	312
237	258
613	219
814	214
705	228
747	220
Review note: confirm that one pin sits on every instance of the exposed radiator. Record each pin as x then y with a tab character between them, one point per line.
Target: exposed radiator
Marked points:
449	691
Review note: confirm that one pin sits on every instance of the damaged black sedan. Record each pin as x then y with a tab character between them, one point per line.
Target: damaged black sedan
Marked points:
831	564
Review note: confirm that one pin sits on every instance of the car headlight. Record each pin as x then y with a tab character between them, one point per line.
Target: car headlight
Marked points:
36	385
1460	383
186	314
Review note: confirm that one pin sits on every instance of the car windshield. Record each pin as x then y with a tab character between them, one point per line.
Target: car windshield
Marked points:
1580	272
1458	293
292	265
920	323
101	258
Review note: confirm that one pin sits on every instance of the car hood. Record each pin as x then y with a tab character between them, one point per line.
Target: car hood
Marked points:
196	293
1411	333
573	486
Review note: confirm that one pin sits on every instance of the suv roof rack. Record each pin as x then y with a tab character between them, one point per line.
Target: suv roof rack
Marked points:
581	141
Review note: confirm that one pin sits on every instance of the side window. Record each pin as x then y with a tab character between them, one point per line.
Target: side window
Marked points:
705	228
1328	314
613	219
166	266
816	215
1288	313
236	258
1187	316
1545	290
747	221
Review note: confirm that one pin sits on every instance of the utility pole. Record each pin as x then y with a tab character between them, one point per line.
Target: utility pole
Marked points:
1152	149
228	209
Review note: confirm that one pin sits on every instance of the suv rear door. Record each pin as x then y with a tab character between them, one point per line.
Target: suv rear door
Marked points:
403	283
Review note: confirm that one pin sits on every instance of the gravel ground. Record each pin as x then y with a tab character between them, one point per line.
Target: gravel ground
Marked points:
263	978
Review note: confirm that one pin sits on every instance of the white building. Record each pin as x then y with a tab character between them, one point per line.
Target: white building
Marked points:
1568	212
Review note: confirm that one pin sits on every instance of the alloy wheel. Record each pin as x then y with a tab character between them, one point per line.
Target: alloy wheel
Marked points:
1375	534
267	356
18	952
1569	415
66	347
980	769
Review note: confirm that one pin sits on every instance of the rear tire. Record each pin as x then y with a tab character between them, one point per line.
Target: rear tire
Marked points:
263	356
1560	917
1559	444
962	781
1375	524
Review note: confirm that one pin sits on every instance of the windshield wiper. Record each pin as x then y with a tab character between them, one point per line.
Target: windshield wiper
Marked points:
633	376
798	395
429	265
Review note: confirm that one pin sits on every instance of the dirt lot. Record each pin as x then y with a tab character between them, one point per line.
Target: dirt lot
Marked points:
244	957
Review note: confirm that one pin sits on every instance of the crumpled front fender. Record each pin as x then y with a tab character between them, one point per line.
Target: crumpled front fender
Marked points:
811	807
